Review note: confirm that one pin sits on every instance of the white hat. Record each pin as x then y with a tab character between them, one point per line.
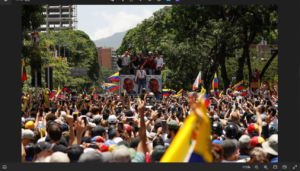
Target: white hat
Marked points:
118	139
27	133
112	119
271	146
59	157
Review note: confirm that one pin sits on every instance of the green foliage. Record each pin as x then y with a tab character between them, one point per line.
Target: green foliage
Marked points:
189	36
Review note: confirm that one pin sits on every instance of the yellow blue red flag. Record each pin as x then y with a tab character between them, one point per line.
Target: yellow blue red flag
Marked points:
192	141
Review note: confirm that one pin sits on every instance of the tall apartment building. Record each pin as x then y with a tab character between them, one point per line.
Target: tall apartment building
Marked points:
107	58
60	16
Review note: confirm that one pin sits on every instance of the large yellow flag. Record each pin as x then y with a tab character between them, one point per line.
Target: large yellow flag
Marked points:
192	141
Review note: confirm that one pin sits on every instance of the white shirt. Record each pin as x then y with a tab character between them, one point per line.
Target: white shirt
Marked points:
274	123
125	60
141	74
160	62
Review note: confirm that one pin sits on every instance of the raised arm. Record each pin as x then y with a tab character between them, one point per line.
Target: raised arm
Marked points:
142	147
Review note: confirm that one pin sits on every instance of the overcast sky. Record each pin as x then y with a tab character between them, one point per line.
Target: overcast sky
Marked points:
101	21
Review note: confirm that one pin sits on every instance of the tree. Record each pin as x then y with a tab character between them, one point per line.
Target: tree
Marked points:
192	36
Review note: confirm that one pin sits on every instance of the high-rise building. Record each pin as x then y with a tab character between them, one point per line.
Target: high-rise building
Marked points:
107	58
60	16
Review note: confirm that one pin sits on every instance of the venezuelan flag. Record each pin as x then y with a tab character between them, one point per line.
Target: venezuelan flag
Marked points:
215	84
192	141
155	63
221	94
64	89
191	94
206	100
24	75
173	92
115	77
258	82
238	86
112	87
166	92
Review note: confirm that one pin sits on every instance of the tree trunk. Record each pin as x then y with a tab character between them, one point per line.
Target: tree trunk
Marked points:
268	64
222	57
249	69
241	60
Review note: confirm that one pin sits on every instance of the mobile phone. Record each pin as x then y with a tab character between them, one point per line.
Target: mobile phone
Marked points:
84	118
75	117
41	112
164	125
120	126
236	105
211	106
257	102
129	119
102	98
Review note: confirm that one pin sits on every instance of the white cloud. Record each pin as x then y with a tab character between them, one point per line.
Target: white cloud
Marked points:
118	22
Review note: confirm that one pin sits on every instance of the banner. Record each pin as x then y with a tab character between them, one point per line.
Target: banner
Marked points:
153	84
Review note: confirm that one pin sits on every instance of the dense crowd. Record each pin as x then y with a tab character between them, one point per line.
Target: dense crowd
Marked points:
244	128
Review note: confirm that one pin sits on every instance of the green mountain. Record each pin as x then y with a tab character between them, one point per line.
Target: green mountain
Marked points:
114	41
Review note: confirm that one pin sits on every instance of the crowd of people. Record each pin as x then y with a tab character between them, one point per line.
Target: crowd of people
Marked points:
152	64
244	128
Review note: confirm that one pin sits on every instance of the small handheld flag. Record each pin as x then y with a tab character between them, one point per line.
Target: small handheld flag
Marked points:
24	75
115	77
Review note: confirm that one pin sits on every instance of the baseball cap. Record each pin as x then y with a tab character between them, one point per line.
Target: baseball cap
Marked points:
252	129
126	143
29	125
118	139
112	119
59	157
121	155
157	124
128	129
151	135
97	118
27	133
74	152
229	147
216	142
111	134
134	142
173	125
90	157
256	141
248	116
158	152
98	131
98	139
42	146
271	146
64	127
